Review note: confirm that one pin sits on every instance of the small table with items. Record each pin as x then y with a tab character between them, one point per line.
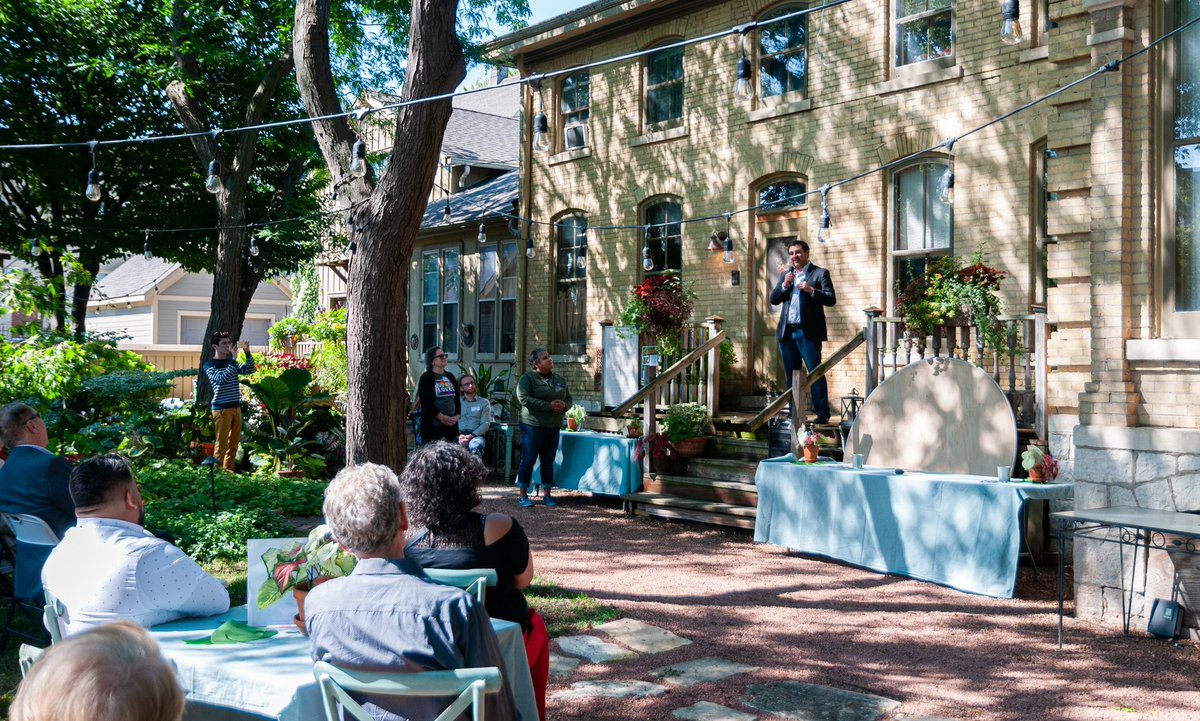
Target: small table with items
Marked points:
601	463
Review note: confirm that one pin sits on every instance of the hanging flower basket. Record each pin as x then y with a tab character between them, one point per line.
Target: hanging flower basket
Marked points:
950	293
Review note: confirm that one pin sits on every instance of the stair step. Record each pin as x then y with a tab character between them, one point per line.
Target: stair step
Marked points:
737	448
658	499
708	519
723	469
702	489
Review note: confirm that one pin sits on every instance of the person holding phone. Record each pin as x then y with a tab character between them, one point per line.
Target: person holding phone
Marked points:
222	372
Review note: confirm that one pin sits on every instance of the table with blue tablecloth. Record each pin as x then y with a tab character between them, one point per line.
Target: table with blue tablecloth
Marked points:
274	678
603	463
956	530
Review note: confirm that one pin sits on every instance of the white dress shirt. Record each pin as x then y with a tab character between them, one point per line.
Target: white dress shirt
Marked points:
105	570
794	304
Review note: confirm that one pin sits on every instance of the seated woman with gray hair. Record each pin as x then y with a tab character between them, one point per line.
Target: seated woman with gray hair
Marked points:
441	488
115	672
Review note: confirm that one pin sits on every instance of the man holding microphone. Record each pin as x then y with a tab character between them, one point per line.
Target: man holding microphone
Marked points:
804	289
222	373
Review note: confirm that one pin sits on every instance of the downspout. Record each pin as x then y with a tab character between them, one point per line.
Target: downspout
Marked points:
525	164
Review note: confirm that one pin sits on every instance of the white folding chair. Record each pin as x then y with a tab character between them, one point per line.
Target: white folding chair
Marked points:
472	580
467	685
54	616
27	656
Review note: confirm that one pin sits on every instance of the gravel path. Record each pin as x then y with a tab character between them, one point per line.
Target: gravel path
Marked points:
940	652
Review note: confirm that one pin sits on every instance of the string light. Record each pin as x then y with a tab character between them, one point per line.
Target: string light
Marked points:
254	250
743	88
727	256
146	247
541	124
358	159
647	261
823	234
529	246
35	247
213	183
945	188
446	212
93	191
1010	23
482	237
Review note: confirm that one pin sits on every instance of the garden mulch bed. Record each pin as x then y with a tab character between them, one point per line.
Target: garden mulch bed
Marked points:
938	651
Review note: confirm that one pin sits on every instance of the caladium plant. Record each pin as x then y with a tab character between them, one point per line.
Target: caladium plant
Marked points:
300	565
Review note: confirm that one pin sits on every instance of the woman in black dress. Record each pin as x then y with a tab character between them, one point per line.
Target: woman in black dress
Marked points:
437	391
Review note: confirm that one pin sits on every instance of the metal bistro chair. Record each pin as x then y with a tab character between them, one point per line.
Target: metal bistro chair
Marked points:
473	580
34	540
468	685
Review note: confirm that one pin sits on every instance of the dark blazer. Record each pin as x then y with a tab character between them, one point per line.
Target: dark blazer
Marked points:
812	307
36	482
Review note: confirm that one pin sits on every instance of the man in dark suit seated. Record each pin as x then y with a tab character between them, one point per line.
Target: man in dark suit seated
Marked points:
34	481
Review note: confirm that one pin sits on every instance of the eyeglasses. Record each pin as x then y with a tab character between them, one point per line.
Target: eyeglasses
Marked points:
443	356
33	417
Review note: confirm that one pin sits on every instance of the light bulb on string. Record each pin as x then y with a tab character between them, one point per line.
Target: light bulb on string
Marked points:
358	159
35	247
541	124
529	247
213	182
727	256
93	191
824	235
647	261
446	212
945	187
742	88
1010	23
482	237
254	250
146	247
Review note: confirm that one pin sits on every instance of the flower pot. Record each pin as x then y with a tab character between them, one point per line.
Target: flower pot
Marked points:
294	473
572	424
690	448
811	453
634	432
301	592
1037	474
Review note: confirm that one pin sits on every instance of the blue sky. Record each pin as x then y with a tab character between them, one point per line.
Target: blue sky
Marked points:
542	10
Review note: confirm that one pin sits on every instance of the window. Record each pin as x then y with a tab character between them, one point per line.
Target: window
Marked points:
570	301
663	238
440	283
1182	275
781	195
923	223
783	55
664	88
576	99
497	299
924	30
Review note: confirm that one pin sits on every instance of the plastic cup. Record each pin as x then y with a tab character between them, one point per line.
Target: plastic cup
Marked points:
1004	473
858	460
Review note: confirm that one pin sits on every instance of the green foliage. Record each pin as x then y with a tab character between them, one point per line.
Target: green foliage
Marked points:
331	368
178	487
52	367
577	413
205	535
286	329
948	290
329	326
686	420
728	359
567	612
488	382
659	306
299	565
278	437
306	289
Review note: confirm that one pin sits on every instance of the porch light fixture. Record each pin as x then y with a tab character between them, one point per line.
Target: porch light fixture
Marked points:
945	188
1010	23
823	234
213	182
743	88
358	159
714	242
93	191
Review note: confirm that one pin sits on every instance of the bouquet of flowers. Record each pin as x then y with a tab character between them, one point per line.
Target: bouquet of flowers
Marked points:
809	437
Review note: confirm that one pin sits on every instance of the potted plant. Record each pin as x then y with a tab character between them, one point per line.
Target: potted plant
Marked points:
687	427
658	307
633	428
301	566
287	331
1040	465
811	443
281	439
575	415
949	291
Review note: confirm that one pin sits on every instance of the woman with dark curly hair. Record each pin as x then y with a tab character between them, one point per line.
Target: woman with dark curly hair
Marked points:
441	490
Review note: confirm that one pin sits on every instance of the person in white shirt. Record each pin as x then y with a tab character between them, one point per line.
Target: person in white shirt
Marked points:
475	418
108	567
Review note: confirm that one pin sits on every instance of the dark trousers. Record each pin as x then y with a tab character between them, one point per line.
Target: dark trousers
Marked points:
797	349
438	432
537	444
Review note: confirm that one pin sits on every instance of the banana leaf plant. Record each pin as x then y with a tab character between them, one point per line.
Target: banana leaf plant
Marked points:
281	433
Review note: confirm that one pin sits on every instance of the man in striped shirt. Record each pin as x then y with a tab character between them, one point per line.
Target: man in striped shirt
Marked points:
223	374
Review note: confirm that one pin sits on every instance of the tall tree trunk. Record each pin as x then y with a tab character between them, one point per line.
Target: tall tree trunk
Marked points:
80	295
387	217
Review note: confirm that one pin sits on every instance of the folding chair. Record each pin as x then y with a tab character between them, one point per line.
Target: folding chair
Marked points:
468	685
472	580
28	656
52	616
34	540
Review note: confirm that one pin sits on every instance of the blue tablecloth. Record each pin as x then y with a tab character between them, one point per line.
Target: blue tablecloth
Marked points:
959	531
274	677
602	463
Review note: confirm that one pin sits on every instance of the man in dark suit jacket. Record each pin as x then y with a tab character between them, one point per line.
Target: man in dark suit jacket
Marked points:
804	290
35	481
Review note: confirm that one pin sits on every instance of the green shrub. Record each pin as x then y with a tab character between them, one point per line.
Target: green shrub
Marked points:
205	535
52	367
182	487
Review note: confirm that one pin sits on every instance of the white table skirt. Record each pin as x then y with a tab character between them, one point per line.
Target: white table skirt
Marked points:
273	677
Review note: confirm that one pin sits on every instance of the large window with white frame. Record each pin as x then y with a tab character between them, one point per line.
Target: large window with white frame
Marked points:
783	54
664	88
924	30
663	237
1181	256
570	288
497	299
574	106
441	285
923	225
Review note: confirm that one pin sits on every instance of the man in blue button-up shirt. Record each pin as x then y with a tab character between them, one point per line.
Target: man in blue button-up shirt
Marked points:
385	616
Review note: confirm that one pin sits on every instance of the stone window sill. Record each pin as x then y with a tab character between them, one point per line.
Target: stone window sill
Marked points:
568	155
1171	350
659	136
910	80
779	110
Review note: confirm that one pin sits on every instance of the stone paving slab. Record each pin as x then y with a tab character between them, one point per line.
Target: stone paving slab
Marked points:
593	649
610	689
641	636
806	702
703	670
562	666
706	711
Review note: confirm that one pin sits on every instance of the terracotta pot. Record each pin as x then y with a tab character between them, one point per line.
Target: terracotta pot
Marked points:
300	594
1037	474
208	449
692	447
294	473
634	432
572	424
811	453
